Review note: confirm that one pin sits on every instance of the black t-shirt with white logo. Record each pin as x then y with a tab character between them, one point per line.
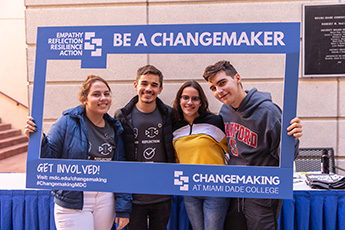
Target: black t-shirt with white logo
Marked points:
101	141
149	145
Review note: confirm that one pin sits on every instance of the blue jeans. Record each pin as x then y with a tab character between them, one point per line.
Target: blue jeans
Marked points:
206	212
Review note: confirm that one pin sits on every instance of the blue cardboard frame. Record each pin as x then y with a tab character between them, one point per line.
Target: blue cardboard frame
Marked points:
92	44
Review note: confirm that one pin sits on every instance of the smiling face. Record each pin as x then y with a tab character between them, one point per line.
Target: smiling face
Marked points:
148	88
226	89
98	100
190	103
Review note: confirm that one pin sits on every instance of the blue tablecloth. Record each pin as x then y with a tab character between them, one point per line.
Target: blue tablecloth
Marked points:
312	210
26	210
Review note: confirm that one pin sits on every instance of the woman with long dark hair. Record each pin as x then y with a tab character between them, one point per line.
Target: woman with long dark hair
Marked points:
199	138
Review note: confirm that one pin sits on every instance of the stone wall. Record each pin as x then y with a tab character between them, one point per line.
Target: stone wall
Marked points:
13	72
321	104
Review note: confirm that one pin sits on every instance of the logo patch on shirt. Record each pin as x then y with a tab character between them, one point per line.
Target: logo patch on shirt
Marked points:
149	153
105	149
135	133
151	132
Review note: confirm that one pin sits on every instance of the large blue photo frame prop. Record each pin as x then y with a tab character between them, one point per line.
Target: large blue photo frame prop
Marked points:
92	44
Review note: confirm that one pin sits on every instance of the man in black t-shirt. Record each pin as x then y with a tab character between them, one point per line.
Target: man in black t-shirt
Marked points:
147	123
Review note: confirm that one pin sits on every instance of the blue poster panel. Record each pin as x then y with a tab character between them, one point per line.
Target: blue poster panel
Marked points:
92	45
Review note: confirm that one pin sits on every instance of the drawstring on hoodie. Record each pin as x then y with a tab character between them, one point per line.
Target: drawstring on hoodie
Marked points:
243	209
240	205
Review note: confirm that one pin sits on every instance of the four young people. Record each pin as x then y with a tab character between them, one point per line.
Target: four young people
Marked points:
153	132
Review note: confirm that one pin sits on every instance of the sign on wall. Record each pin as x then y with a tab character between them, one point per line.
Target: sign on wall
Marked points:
324	40
92	45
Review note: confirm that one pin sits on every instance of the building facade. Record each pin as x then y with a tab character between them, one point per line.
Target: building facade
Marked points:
321	100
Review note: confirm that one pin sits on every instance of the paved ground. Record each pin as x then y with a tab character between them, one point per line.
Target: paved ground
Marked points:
15	164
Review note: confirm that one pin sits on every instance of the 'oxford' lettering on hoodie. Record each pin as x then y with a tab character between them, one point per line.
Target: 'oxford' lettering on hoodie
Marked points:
241	133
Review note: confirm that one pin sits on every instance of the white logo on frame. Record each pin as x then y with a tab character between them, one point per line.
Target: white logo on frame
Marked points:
94	44
181	180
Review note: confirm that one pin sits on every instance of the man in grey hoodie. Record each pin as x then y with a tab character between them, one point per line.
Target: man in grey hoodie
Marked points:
253	126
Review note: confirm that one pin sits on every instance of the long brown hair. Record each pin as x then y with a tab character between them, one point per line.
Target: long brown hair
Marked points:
177	111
